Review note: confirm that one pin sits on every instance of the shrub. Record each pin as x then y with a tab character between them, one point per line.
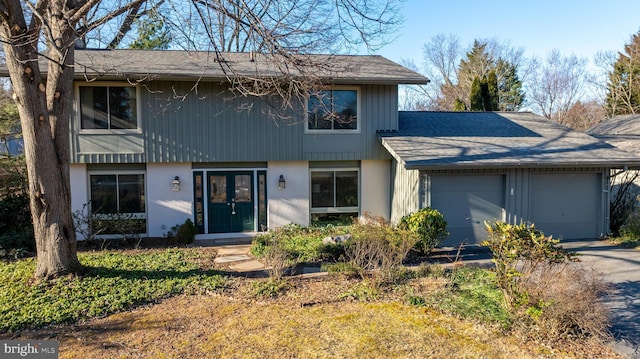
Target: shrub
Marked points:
183	233
630	230
624	199
520	245
379	249
98	228
564	302
430	226
16	227
17	244
301	244
543	287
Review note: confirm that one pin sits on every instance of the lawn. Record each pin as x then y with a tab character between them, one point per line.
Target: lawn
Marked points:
167	303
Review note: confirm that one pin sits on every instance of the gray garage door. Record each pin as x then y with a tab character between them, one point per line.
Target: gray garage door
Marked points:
466	202
566	205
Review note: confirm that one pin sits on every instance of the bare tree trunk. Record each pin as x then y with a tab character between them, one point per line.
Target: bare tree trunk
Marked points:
44	114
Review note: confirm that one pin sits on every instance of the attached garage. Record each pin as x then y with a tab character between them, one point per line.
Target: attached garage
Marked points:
467	201
567	205
516	167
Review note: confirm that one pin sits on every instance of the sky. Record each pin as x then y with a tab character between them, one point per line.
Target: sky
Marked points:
580	27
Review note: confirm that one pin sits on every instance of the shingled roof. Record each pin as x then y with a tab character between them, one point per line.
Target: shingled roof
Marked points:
443	140
186	65
622	131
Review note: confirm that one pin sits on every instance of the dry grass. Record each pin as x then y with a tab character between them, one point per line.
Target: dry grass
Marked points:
307	321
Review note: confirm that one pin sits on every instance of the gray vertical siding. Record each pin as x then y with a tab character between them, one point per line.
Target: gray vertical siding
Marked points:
209	125
405	192
204	123
378	112
517	196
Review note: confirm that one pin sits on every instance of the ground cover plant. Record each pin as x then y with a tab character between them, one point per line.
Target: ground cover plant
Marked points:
112	282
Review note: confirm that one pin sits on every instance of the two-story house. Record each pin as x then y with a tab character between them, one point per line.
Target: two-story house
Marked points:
159	135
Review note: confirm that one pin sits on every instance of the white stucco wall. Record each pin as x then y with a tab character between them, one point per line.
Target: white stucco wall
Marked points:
79	188
289	205
375	190
166	208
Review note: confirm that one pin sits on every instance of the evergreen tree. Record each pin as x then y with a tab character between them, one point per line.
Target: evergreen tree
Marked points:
484	93
476	99
498	81
459	106
623	88
510	92
153	33
477	63
490	93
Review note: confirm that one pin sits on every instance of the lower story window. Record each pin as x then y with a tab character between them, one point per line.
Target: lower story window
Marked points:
118	202
334	195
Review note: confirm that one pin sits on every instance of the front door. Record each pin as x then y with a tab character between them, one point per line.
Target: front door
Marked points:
230	202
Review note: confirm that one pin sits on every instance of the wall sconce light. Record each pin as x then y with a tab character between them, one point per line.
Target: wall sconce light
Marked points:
175	184
282	183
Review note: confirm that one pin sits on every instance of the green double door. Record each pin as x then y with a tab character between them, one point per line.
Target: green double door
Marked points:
230	202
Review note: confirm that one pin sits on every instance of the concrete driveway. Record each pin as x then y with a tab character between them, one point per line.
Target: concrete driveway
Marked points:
621	268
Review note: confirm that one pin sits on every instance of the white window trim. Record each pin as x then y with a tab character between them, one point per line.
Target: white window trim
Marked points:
141	215
332	131
315	210
78	112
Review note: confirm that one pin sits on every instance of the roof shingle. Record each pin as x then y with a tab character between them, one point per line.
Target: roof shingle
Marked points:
441	140
187	65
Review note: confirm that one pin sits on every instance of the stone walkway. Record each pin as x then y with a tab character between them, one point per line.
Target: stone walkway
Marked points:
235	258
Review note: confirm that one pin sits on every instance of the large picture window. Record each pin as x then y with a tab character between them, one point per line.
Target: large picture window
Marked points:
119	198
334	194
108	107
333	110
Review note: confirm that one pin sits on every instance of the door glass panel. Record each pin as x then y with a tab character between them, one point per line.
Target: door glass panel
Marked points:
243	188
218	188
262	201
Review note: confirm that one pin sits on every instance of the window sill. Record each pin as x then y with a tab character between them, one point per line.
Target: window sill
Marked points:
111	132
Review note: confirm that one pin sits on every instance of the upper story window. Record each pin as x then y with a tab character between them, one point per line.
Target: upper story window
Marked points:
108	107
335	109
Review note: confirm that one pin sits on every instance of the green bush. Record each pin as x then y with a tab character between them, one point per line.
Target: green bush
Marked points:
430	226
16	227
183	233
630	230
17	244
